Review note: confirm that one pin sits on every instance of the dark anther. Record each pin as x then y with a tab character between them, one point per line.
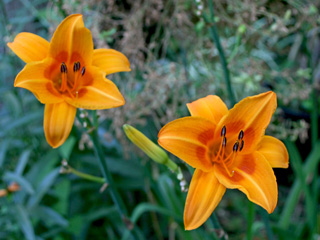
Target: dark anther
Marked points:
223	131
235	146
76	66
241	145
63	68
240	135
224	142
83	71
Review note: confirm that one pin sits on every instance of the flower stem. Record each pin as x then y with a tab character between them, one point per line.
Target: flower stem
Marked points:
222	235
311	163
93	133
265	218
68	169
107	176
215	36
251	213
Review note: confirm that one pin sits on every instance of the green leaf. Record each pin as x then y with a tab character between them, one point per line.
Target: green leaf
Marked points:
23	160
24	183
25	223
66	149
18	123
49	216
43	187
3	150
13	104
62	192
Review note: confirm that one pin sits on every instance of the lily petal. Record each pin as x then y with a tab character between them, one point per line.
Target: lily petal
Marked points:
251	115
253	176
204	195
210	107
33	77
188	139
72	42
110	61
58	122
274	151
29	47
98	92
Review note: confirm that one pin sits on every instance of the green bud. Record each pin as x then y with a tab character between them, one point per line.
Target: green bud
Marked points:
156	153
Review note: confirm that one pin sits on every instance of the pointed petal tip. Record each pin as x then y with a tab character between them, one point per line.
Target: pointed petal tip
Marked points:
210	107
29	47
58	122
189	228
77	15
56	144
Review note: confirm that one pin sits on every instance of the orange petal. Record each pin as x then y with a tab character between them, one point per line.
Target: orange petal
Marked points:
72	42
253	176
58	122
188	139
100	93
29	47
33	78
252	115
210	107
110	61
204	195
274	151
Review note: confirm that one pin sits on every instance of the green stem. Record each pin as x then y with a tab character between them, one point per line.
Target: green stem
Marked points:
314	117
309	166
217	226
84	175
106	174
314	136
105	171
251	214
215	36
296	163
266	221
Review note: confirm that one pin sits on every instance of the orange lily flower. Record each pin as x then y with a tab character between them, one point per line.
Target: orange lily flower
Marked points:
228	148
67	74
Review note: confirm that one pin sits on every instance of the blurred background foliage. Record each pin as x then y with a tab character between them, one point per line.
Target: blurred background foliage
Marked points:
268	44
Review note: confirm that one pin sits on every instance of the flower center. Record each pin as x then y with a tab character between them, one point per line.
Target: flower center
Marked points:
222	157
69	82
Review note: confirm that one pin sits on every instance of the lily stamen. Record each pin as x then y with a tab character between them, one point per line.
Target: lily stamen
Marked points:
64	77
222	146
227	170
241	134
241	145
76	68
70	93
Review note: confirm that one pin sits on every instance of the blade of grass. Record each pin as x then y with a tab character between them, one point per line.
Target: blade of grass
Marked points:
117	200
251	215
266	221
308	167
147	207
296	163
25	223
216	39
29	118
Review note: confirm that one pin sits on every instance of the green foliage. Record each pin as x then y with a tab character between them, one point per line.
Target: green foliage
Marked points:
174	60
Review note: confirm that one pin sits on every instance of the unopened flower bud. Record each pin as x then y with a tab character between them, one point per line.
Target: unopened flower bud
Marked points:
145	144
